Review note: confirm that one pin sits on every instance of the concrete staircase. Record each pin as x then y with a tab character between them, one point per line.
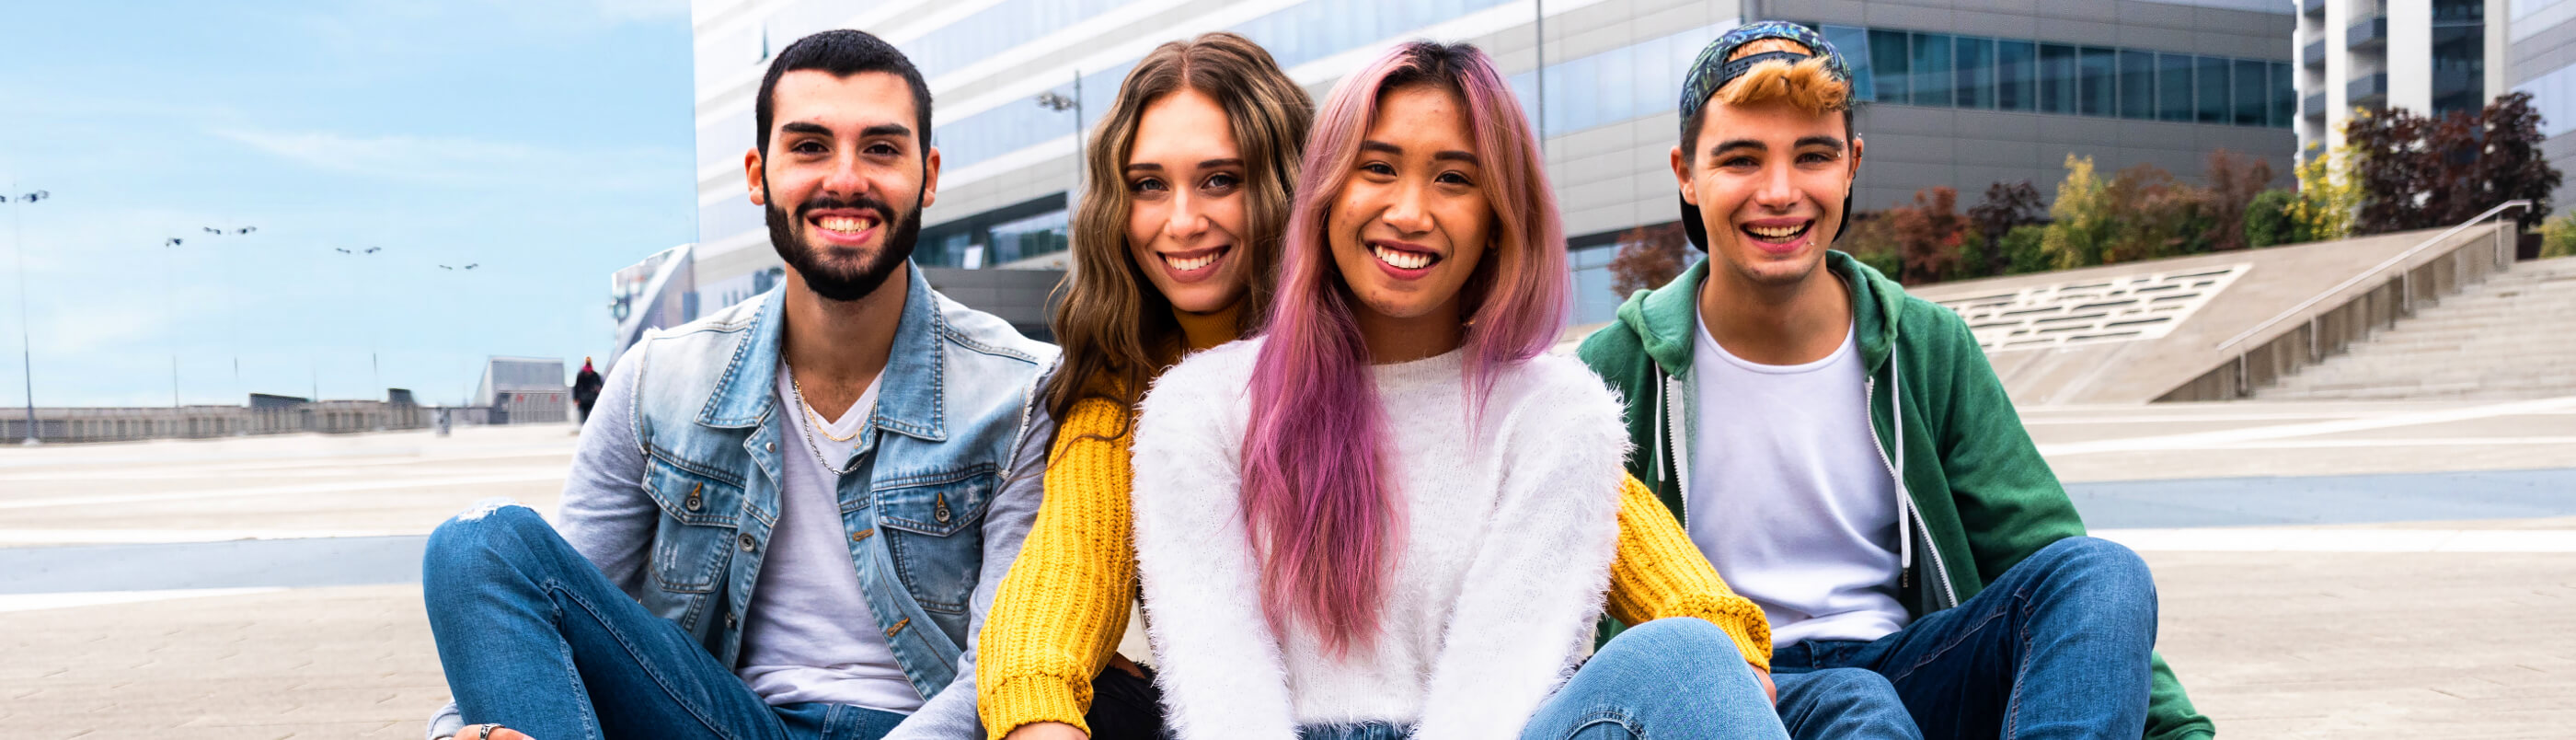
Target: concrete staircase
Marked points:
2511	337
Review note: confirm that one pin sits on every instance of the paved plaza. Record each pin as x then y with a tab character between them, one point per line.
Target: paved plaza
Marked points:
2327	570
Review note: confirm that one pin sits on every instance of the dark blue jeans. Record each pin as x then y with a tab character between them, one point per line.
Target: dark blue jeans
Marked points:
1678	678
533	638
2056	648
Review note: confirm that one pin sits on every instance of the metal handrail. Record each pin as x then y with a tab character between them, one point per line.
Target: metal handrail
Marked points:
2374	272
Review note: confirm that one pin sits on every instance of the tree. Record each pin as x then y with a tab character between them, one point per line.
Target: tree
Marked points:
2269	219
2329	192
2147	214
1927	235
2005	207
2396	177
2234	180
2510	166
2078	219
1649	256
2420	173
1871	238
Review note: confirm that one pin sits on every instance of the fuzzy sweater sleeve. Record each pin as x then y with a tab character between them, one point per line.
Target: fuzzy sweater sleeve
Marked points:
1062	609
1661	574
1530	597
1217	664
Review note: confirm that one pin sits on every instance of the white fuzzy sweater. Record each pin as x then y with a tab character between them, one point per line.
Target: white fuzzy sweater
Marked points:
1508	531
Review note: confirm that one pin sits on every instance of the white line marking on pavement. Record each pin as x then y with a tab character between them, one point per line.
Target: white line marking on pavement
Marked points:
167	536
32	602
2228	438
2231	539
555	475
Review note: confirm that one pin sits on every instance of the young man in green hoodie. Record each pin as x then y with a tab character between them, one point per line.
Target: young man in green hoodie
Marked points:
1844	454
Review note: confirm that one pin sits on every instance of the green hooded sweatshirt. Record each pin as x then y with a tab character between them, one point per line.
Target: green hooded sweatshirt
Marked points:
1980	497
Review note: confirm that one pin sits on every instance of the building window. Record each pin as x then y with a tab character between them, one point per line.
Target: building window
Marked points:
1976	83
2211	78
2137	84
2100	82
1854	44
2253	98
1045	233
2016	75
2057	79
1888	52
1933	74
2173	87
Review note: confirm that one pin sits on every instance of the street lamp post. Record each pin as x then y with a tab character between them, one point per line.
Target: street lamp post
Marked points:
170	291
26	345
374	367
232	317
1051	100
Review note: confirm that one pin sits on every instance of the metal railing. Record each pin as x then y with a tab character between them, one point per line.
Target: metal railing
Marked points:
2375	272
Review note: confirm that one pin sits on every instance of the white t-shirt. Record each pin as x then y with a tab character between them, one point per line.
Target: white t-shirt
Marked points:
1789	497
809	635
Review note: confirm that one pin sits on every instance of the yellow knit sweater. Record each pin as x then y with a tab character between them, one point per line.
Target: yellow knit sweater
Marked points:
1060	613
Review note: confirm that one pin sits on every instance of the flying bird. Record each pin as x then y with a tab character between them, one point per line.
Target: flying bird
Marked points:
213	230
444	267
174	241
342	251
373	250
473	265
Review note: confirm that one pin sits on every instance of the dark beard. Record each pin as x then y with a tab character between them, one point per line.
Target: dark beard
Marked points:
787	235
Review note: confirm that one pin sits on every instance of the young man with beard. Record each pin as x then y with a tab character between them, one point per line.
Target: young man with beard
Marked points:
1844	454
780	523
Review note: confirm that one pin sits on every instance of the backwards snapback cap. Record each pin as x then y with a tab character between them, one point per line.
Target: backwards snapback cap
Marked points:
1711	71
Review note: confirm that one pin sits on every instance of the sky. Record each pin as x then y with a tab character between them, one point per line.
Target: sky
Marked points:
547	141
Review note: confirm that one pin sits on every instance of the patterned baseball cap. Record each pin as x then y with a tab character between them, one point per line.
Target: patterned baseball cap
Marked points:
1712	70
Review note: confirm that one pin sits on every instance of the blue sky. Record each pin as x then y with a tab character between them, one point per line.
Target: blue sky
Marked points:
547	140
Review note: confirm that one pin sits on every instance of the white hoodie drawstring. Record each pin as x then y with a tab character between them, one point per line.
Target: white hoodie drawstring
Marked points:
1896	406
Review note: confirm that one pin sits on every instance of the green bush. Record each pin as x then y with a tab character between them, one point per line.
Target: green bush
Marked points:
2558	237
2023	250
2268	220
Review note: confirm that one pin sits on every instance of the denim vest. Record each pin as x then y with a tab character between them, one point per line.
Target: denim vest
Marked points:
951	405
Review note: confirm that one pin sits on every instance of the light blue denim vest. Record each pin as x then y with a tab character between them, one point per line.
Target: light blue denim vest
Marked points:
951	405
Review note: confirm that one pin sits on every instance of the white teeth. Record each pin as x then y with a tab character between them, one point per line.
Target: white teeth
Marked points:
1193	263
1402	260
1775	232
843	224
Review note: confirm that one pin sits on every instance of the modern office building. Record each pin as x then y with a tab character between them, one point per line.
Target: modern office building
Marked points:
2540	58
1958	93
2427	56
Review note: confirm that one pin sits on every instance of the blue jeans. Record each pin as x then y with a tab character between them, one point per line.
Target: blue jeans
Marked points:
533	638
1676	678
2056	648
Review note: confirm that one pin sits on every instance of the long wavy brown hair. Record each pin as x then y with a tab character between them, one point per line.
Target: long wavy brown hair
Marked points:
1117	330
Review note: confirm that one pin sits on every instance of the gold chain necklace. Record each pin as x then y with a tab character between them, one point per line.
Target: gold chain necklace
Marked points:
820	424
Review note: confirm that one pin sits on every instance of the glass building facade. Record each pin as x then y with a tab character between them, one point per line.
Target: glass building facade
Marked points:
1942	70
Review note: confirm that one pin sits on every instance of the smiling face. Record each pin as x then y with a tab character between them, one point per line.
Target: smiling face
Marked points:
1769	180
1186	215
1411	221
844	179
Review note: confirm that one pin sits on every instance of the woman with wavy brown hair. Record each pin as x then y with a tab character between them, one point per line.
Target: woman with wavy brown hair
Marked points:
1175	249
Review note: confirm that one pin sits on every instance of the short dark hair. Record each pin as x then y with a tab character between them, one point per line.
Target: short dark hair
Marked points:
842	53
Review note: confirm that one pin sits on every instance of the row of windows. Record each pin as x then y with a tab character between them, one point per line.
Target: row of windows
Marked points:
991	30
1616	85
1946	71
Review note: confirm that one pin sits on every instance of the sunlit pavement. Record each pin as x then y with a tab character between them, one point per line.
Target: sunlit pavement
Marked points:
2326	569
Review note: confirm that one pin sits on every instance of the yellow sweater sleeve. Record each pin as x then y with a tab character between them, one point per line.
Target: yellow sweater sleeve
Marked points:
1659	573
1060	613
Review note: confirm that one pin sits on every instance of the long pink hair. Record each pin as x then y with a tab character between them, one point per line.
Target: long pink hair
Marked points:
1317	505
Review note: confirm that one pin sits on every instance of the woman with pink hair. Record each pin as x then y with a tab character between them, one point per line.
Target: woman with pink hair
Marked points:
1391	514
